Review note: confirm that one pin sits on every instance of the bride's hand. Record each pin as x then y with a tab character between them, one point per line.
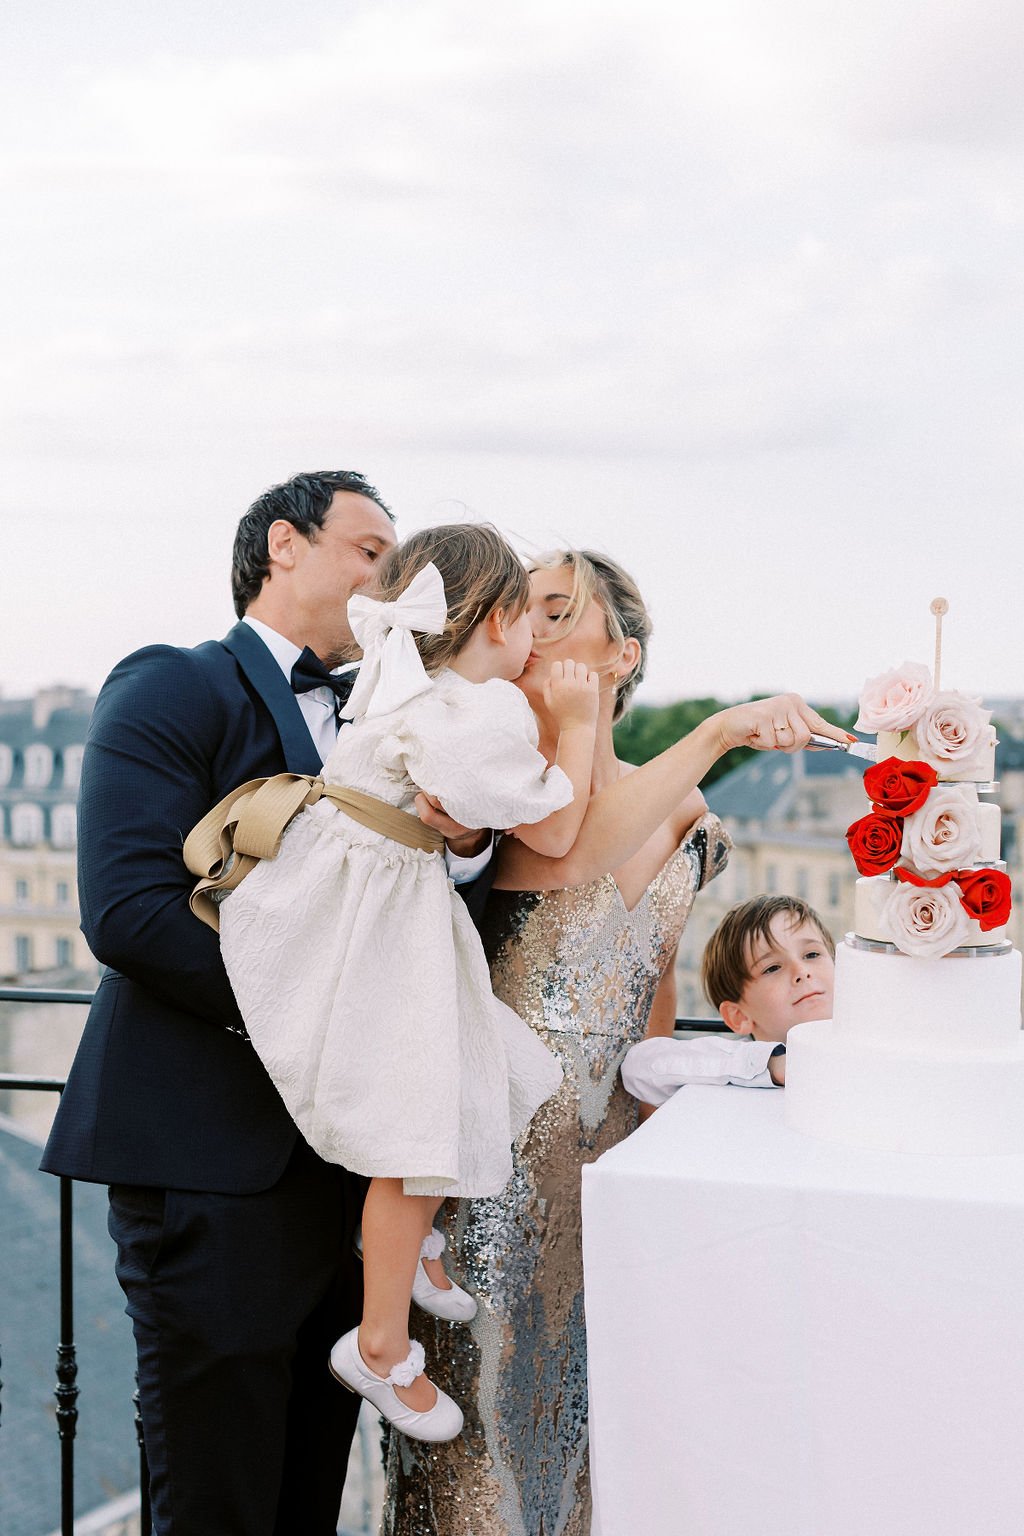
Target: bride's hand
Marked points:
780	724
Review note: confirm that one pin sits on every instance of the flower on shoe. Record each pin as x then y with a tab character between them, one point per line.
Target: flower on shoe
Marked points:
944	833
875	842
898	787
894	700
925	922
954	731
985	896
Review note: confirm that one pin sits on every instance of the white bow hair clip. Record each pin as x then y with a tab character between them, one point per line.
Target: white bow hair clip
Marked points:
391	671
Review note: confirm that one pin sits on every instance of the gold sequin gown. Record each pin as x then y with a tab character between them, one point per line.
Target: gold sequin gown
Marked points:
582	970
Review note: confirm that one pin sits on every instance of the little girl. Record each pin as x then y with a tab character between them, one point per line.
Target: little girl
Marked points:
358	972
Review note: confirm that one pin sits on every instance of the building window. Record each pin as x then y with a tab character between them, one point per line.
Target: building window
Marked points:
63	829
22	952
65	953
21	893
6	763
26	825
803	885
72	766
771	879
38	766
835	889
63	893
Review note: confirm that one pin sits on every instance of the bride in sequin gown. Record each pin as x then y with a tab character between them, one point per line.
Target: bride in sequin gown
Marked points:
589	966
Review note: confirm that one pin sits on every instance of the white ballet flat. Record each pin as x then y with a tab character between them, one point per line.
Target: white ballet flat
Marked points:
442	1422
455	1305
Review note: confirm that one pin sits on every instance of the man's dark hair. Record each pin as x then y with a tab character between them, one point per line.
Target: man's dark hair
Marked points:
303	501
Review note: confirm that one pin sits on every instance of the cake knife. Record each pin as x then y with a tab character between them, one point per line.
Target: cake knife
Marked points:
854	748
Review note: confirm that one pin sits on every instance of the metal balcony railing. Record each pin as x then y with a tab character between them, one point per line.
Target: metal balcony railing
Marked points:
66	1390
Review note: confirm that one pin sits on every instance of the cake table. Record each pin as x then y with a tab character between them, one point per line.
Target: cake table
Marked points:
794	1338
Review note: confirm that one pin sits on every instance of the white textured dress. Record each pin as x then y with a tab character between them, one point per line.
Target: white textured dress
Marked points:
358	970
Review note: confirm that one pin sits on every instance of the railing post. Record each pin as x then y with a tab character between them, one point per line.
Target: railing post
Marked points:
67	1367
66	1391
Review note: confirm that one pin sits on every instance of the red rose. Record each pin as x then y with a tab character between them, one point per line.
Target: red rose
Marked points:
911	877
985	896
875	842
897	787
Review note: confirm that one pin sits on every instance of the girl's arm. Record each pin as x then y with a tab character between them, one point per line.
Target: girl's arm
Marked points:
571	697
623	815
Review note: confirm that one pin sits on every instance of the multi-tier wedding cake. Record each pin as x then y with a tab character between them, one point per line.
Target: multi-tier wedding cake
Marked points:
924	1052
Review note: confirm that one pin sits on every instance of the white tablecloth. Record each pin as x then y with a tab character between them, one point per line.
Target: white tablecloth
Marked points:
790	1338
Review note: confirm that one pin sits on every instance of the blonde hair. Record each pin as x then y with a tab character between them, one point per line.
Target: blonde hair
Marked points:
725	965
480	570
597	579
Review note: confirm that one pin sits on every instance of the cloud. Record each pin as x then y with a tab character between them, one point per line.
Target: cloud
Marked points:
759	258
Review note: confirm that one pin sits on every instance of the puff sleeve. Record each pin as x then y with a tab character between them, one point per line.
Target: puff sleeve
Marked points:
475	749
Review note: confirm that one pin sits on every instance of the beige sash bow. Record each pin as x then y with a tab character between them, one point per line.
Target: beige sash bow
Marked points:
247	825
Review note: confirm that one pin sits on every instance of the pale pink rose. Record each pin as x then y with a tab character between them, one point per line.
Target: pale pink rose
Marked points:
954	731
927	923
944	833
895	700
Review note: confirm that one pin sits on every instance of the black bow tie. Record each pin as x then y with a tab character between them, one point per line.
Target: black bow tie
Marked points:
309	672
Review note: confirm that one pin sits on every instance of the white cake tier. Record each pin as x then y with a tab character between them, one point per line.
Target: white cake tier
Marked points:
869	898
959	1003
982	771
898	1100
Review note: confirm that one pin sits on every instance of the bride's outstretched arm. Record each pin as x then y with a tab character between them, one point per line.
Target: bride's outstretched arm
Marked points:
622	816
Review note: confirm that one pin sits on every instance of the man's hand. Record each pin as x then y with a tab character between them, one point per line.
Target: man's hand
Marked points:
464	842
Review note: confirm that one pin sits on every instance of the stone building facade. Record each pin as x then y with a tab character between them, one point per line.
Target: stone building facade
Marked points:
41	744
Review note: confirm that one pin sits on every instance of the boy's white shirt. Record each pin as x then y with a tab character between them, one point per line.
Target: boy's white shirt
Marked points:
654	1069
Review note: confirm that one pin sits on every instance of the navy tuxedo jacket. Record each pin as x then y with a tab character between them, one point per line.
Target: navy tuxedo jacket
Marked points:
161	1092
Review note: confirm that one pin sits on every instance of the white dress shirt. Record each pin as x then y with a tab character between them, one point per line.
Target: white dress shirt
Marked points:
653	1069
317	706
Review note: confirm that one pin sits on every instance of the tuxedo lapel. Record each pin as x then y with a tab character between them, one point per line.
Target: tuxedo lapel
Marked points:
263	672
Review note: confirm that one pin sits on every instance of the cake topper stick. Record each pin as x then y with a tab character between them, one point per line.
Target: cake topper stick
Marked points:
939	606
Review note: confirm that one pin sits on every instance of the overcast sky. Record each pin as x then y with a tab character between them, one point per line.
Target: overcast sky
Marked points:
730	290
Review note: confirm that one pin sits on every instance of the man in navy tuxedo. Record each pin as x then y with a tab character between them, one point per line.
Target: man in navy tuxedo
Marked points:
234	1239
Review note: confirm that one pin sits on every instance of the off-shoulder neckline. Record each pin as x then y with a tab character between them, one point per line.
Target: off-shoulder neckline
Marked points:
703	820
682	847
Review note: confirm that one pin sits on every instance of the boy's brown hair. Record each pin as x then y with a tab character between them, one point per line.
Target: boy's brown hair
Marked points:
725	966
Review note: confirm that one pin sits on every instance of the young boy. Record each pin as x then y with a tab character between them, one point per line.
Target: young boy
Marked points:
769	964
